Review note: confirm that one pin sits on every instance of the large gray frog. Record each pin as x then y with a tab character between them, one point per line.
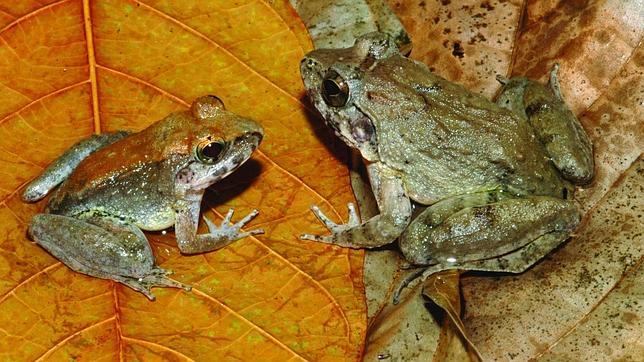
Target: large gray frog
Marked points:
497	177
116	184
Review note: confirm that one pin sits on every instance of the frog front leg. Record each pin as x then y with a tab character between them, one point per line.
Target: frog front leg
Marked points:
481	226
102	247
553	122
382	229
187	220
63	166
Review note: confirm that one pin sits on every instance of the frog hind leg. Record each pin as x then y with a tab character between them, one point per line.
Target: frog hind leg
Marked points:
63	166
486	231
490	224
563	137
507	263
102	247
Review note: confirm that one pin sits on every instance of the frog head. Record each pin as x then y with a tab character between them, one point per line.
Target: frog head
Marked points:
335	80
215	144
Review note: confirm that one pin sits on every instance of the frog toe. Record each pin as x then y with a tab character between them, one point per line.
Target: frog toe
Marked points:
166	282
323	218
229	231
139	287
318	238
354	219
246	219
156	279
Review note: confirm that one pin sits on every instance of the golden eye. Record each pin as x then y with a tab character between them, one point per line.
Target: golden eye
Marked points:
335	89
209	152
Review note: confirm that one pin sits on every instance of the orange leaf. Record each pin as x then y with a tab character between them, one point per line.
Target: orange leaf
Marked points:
71	68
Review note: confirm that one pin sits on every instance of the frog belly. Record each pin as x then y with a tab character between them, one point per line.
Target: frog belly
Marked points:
147	213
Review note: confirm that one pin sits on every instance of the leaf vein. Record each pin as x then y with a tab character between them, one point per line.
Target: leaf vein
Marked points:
24	282
32	14
68	338
42	97
219	46
160	346
247	321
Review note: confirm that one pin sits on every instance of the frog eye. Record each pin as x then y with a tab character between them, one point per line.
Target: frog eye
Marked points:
209	152
335	89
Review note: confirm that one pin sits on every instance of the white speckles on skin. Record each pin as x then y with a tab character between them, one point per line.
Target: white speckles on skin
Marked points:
94	221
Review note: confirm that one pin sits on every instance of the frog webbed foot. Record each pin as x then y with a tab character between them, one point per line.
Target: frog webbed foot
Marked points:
156	278
229	231
190	242
336	229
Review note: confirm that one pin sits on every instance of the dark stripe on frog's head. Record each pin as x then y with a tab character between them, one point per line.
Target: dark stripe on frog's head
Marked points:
366	63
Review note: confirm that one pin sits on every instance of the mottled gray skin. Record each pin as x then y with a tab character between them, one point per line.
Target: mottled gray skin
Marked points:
497	177
112	186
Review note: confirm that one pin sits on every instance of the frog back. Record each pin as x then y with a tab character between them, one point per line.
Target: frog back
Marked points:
130	176
446	140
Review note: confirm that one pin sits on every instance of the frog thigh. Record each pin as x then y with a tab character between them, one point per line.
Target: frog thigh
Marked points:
484	230
514	262
64	165
102	247
554	124
521	259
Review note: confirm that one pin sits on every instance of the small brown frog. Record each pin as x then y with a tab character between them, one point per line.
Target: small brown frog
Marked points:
114	185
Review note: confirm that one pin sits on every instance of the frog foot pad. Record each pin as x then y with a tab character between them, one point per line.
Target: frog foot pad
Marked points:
336	229
230	231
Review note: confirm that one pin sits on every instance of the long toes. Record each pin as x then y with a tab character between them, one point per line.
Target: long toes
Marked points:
310	237
307	237
166	282
318	238
175	284
147	292
248	233
354	219
255	232
325	220
160	271
212	227
246	219
229	216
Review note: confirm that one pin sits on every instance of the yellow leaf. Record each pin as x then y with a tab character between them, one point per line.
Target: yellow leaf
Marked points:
71	68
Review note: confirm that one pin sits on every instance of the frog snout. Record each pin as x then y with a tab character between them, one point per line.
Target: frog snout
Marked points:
252	135
310	72
253	138
307	64
254	132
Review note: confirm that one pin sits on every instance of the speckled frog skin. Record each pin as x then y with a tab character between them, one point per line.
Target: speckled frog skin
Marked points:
497	177
114	185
